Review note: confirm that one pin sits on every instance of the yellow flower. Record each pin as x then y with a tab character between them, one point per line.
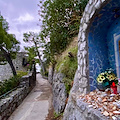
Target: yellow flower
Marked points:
102	77
99	80
111	77
107	76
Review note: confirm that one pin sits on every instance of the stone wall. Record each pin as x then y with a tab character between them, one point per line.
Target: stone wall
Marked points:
58	89
5	70
50	75
79	110
14	99
59	93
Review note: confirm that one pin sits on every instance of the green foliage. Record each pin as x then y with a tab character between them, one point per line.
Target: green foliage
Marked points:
33	50
21	73
8	85
44	74
8	42
55	115
9	46
68	67
67	62
60	23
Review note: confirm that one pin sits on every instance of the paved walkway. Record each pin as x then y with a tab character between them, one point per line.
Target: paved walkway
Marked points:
37	104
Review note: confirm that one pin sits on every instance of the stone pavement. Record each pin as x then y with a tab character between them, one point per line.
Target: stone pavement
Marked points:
37	104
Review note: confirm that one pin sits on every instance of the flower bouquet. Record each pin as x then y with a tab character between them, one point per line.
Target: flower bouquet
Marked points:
108	79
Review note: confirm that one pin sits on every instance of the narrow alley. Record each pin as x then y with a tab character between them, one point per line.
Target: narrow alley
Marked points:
37	105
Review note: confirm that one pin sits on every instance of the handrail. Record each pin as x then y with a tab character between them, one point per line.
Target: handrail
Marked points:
5	94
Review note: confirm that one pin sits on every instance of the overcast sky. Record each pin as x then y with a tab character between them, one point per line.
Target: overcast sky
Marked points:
22	16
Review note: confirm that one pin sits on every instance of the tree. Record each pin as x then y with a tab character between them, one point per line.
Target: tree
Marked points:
34	38
60	22
31	52
9	46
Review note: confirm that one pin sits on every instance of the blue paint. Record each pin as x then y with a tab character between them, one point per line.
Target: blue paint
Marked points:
101	41
98	56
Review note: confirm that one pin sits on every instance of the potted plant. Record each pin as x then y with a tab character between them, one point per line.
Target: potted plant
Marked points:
107	79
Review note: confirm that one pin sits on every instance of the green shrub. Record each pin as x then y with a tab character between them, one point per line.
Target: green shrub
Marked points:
68	67
68	84
21	73
7	85
44	73
55	115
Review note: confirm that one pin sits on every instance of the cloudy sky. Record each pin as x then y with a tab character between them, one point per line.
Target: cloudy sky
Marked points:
22	16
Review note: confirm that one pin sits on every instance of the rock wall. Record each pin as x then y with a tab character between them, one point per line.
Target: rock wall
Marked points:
59	92
5	70
79	110
50	75
14	99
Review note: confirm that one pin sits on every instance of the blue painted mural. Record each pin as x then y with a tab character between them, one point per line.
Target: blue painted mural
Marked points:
101	41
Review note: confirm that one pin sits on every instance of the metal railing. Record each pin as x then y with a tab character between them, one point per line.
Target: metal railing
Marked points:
5	94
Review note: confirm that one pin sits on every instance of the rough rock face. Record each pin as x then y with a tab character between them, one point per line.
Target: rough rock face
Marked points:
59	92
70	110
50	75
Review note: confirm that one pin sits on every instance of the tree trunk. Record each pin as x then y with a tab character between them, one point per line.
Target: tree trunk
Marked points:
42	66
11	65
53	69
9	60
